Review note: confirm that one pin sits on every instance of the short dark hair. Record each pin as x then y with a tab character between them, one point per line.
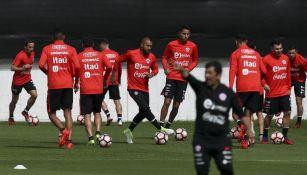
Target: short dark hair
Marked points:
57	33
146	38
27	41
104	41
276	42
252	45
87	42
292	47
241	37
216	65
185	26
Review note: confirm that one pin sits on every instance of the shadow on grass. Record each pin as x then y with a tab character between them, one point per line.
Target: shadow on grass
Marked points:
32	146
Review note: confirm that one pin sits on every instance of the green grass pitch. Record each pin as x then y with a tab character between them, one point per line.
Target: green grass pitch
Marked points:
36	148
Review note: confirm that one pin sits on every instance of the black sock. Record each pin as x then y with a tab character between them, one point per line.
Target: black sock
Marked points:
156	124
98	132
68	141
90	138
299	119
265	132
11	116
119	116
285	132
168	124
27	109
132	125
162	123
107	112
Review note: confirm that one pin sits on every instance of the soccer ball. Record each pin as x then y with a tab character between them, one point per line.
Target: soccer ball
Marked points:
278	122
277	137
235	132
181	134
80	120
105	140
161	138
33	120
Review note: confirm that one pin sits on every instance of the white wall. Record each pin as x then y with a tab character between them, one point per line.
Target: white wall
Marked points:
186	111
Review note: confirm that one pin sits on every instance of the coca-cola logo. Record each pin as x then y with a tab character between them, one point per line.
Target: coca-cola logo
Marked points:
280	76
140	75
182	63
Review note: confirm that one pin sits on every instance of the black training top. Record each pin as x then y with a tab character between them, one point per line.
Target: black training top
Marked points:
212	108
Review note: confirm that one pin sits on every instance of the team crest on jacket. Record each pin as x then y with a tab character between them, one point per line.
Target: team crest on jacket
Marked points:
147	60
187	49
284	62
222	96
136	93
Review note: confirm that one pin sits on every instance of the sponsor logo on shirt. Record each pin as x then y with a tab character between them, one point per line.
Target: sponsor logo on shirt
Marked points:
90	54
187	49
278	68
139	66
212	118
90	60
59	53
247	51
181	55
182	63
59	47
110	55
91	66
208	104
249	63
280	76
140	75
284	62
247	71
58	60
147	60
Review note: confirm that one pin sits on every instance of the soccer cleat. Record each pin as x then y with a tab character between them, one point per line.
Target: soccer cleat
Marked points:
288	141
69	145
167	131
297	125
11	121
109	121
91	142
26	115
244	144
127	132
119	122
264	141
260	137
63	137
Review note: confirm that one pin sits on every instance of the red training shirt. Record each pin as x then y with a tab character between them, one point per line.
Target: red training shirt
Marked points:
112	56
298	68
21	59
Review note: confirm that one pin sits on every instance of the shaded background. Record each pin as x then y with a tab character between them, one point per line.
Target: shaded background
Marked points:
124	22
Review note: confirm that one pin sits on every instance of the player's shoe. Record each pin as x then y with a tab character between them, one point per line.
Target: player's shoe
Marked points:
297	125
260	137
288	141
119	122
278	114
127	132
63	137
167	131
26	115
69	145
244	144
91	142
264	141
109	121
11	121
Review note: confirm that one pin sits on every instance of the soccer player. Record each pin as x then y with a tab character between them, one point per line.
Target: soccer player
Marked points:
246	66
211	136
141	66
184	52
92	67
277	83
22	65
113	87
298	78
59	62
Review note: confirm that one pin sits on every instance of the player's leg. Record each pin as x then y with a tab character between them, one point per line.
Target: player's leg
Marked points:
179	94
66	105
260	124
201	159
285	106
115	96
97	115
300	110
271	107
31	89
86	108
104	107
15	96
252	105
223	159
168	93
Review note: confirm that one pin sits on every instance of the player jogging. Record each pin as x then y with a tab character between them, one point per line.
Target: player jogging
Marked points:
59	62
113	87
22	66
211	137
141	66
92	67
184	52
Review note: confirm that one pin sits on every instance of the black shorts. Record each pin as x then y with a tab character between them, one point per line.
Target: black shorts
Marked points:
249	100
261	102
113	92
277	104
29	86
299	89
220	152
175	89
59	99
90	103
